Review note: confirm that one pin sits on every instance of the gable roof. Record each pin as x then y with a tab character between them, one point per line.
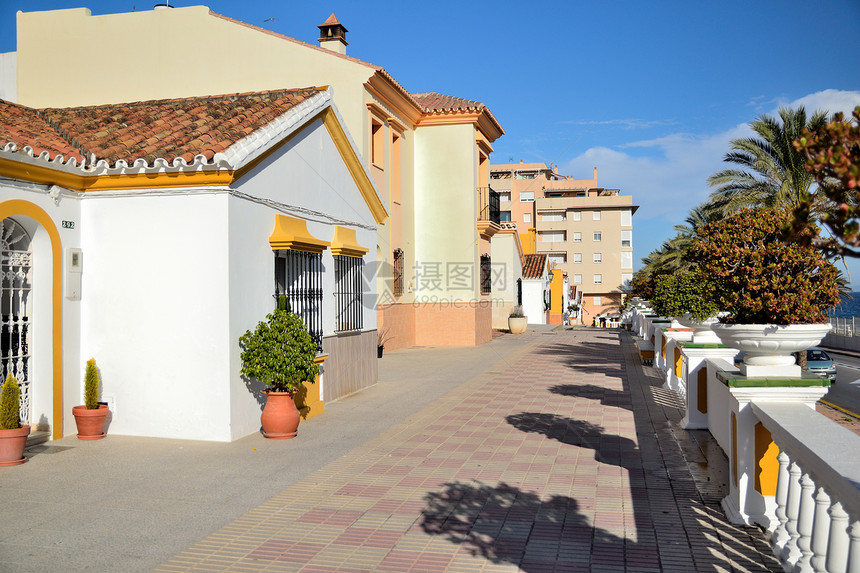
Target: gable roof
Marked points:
534	266
210	140
170	129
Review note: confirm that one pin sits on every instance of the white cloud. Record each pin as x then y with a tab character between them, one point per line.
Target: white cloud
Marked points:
671	179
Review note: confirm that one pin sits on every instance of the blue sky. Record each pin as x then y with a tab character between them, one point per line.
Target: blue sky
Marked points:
648	92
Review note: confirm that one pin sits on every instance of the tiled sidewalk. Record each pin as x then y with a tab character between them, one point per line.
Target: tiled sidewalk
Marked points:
569	459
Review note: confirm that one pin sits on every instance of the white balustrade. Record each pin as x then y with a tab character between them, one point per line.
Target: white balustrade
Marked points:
820	494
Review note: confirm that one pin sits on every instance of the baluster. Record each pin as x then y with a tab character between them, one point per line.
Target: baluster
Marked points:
780	534
854	553
791	552
820	530
805	516
837	549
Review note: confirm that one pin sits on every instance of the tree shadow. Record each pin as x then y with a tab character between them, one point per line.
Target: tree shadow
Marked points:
607	396
608	448
589	357
504	524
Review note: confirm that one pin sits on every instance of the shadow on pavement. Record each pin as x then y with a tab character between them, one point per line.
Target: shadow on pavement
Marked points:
607	396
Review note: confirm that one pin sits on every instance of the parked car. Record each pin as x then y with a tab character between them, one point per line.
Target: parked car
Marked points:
820	363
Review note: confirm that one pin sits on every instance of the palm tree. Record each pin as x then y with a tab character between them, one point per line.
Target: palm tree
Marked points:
773	173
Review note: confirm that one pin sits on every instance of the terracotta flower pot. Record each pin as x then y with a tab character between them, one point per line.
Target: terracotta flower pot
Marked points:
12	444
91	423
280	417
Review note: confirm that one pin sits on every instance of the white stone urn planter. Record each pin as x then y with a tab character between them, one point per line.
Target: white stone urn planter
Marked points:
517	325
704	333
768	348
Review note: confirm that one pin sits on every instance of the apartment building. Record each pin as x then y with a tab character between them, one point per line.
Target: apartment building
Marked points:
585	230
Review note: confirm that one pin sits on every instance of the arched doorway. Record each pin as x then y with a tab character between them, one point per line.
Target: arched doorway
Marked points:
16	263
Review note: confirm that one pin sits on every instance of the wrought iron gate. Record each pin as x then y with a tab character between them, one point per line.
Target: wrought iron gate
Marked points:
16	261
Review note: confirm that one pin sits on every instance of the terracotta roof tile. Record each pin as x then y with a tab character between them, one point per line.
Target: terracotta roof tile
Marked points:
432	101
533	266
146	130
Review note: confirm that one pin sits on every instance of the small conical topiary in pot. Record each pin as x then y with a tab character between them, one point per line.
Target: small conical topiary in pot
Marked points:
10	399
91	385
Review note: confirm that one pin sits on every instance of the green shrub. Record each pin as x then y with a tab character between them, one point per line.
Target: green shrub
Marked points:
10	404
760	278
685	292
279	352
91	385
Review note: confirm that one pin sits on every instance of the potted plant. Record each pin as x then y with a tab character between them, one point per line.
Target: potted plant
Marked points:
91	417
775	293
517	321
381	338
13	435
690	297
280	353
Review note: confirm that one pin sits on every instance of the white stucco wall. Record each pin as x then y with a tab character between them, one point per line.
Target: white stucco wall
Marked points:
8	76
446	199
506	268
155	312
533	300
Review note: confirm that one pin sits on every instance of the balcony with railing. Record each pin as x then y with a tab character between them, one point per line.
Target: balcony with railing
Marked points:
488	212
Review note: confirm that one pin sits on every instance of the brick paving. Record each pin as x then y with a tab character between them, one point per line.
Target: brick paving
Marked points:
568	459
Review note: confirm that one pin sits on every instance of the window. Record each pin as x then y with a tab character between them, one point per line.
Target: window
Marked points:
527	217
597	236
596	215
597	301
577	279
298	275
347	290
504	196
577	257
626	260
527	196
598	279
556	258
486	274
627	238
626	218
626	278
377	145
552	217
397	271
598	257
577	237
505	216
552	237
577	215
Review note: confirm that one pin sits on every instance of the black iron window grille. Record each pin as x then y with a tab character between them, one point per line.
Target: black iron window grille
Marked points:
489	205
397	269
348	281
486	275
298	276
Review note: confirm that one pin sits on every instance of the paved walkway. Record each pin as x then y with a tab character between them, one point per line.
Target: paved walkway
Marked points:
553	451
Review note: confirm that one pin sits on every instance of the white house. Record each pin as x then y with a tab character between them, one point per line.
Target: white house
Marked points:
536	288
151	235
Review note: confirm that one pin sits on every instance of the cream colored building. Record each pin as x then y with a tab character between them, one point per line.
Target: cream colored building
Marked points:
585	230
428	154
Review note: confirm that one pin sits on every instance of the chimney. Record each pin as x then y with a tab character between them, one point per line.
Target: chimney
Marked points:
595	175
333	35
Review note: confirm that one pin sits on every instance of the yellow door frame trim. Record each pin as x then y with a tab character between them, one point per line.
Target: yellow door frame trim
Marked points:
14	207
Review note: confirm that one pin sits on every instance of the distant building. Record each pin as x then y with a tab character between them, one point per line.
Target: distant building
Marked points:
585	230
